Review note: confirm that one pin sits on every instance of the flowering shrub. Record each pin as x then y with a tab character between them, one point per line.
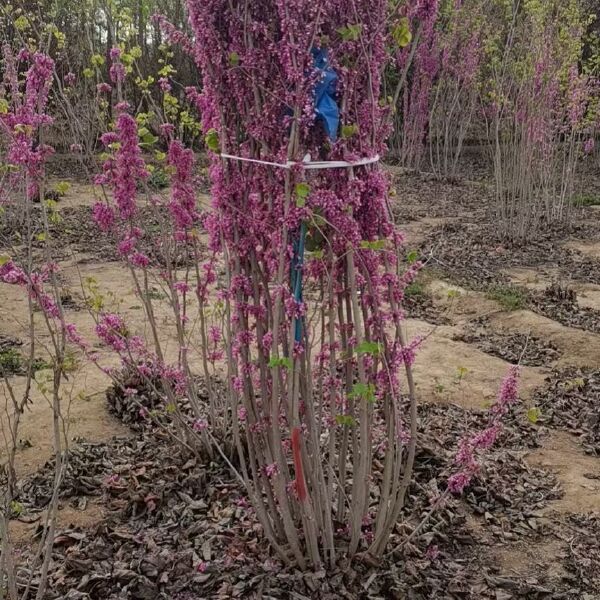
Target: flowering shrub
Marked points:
416	66
539	113
170	256
313	278
314	367
455	96
23	122
466	458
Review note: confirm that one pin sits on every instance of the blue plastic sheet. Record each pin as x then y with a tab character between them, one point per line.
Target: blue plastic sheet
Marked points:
326	107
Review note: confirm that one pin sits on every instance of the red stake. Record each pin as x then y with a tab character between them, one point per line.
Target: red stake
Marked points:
300	483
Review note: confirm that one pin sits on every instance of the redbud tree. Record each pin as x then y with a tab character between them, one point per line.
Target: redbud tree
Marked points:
317	361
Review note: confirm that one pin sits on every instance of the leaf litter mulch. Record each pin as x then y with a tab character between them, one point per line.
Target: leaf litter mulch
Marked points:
75	232
584	551
560	304
474	255
513	347
571	400
422	195
180	528
420	305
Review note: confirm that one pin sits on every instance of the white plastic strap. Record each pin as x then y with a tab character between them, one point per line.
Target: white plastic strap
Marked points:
308	164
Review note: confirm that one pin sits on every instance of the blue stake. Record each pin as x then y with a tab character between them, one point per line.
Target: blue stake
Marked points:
297	266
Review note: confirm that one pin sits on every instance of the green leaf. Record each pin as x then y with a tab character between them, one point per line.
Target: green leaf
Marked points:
4	259
347	420
350	33
171	408
534	414
461	372
234	59
301	192
88	73
21	23
127	59
97	60
4	106
349	131
281	362
365	391
376	245
401	33
166	71
211	139
62	187
149	139
16	508
575	384
413	257
372	348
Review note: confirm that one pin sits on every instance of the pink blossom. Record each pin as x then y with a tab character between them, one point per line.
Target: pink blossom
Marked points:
115	53
466	457
214	334
200	425
183	196
103	215
167	129
127	245
112	331
139	259
272	470
127	167
201	567
117	72
74	337
589	145
509	392
458	482
104	88
237	384
109	138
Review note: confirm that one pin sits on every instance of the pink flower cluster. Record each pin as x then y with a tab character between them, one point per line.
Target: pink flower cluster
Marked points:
183	196
466	458
26	115
117	68
112	331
